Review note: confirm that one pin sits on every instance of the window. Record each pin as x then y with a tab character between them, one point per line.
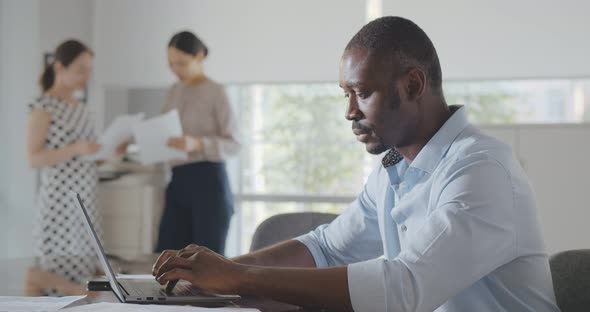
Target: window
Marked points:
298	154
522	101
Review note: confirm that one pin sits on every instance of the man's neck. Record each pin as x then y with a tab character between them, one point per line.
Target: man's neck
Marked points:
430	125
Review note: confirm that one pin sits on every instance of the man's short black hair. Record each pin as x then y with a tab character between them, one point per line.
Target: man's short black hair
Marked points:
403	39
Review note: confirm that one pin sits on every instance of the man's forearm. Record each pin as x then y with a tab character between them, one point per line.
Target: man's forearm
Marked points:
290	253
318	288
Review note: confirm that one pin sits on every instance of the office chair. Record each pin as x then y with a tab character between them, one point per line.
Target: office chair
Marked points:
570	270
286	226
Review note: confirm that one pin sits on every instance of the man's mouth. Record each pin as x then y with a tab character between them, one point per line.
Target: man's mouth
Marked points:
358	132
361	135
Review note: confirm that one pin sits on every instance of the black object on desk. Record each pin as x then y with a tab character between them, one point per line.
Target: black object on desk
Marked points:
98	285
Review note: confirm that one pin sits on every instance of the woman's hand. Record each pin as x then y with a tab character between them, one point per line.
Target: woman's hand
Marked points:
122	148
84	148
186	143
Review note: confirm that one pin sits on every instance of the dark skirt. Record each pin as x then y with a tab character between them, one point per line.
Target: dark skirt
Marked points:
199	206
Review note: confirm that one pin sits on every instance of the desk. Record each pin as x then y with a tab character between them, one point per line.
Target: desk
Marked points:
13	273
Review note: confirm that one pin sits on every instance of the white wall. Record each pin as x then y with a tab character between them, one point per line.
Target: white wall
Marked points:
28	28
504	38
19	63
286	41
249	41
60	20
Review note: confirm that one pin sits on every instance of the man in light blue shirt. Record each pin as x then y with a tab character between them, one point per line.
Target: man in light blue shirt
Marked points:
447	222
457	228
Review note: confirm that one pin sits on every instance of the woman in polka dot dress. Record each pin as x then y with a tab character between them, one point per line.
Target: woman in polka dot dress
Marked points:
60	134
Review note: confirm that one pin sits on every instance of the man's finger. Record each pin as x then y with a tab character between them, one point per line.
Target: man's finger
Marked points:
202	250
173	263
187	252
161	259
175	274
171	253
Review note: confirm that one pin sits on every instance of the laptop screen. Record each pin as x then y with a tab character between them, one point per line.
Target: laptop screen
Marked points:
99	250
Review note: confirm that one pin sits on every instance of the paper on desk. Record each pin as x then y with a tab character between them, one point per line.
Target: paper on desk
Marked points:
152	135
127	307
119	131
35	304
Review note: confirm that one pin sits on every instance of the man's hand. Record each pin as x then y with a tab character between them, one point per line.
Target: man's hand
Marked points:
210	272
203	268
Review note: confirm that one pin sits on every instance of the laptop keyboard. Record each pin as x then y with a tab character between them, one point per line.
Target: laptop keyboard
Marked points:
154	289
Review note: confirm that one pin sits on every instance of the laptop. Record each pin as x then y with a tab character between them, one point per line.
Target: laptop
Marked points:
147	290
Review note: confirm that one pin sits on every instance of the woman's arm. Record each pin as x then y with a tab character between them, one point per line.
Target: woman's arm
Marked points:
225	143
39	156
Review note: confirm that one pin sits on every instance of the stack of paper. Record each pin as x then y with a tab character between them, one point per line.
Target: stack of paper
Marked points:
120	131
152	136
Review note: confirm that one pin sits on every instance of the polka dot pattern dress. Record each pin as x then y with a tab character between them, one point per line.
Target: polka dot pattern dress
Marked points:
63	245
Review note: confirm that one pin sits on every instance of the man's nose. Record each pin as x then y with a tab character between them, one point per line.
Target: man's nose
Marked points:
352	111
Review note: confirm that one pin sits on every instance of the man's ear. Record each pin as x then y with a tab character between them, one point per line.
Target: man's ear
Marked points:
415	83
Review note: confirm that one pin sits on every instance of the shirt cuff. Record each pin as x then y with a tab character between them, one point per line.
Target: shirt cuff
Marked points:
366	285
314	248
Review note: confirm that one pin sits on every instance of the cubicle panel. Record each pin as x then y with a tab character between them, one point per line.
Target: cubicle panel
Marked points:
557	161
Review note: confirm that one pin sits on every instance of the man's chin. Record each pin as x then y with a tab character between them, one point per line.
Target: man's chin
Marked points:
375	148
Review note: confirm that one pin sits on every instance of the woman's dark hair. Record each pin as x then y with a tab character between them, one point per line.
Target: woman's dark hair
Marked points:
189	43
65	53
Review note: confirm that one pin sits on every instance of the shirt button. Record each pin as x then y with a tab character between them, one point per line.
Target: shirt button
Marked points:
404	228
